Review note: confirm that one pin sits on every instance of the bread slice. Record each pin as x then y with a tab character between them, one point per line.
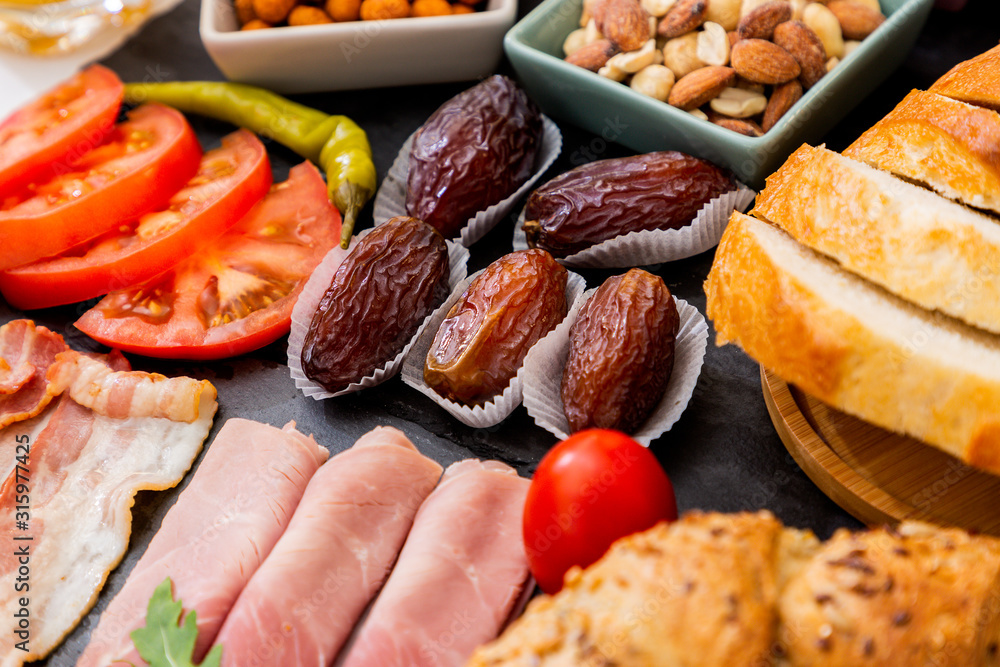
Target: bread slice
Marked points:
855	346
922	247
976	81
949	146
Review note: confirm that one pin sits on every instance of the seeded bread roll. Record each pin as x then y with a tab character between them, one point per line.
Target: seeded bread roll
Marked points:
917	596
718	590
949	146
701	591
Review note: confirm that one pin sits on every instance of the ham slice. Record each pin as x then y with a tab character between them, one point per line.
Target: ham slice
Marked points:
79	480
458	577
303	602
26	352
216	535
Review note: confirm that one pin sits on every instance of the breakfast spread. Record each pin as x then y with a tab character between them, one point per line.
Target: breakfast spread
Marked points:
865	278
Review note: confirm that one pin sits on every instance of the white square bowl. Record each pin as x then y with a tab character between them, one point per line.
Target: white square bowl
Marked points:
357	54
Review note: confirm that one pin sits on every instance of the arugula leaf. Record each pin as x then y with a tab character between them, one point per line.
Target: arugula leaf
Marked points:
163	641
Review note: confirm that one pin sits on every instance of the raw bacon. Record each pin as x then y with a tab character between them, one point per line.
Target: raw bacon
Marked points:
78	482
213	539
458	577
303	602
26	352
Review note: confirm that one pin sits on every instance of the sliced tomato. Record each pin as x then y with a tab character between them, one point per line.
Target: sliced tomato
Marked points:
235	295
63	123
230	180
144	161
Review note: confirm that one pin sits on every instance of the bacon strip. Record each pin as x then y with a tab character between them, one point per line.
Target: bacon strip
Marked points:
301	605
26	352
82	473
121	394
459	575
215	536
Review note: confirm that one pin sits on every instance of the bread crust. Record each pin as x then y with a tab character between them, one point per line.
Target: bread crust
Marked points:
947	145
976	81
890	232
858	366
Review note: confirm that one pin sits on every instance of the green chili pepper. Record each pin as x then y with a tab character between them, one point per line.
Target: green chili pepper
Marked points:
335	143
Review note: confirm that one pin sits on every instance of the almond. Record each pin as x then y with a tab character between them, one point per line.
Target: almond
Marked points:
593	56
740	125
760	23
805	46
761	61
857	20
700	86
683	17
626	24
782	98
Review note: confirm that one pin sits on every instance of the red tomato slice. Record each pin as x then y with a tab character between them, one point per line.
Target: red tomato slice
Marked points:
234	296
65	122
591	489
144	161
230	180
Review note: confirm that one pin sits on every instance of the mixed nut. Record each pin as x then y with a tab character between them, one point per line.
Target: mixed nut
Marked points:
740	64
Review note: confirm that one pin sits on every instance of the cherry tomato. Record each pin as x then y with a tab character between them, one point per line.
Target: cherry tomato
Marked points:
143	162
230	180
235	295
591	489
68	120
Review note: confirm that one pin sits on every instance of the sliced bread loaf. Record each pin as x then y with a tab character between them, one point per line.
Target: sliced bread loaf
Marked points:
927	249
949	146
976	81
855	346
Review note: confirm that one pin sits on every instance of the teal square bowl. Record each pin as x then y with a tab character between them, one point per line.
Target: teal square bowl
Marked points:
617	113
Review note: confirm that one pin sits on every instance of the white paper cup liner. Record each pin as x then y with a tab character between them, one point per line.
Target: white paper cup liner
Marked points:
658	245
308	301
390	200
494	412
546	361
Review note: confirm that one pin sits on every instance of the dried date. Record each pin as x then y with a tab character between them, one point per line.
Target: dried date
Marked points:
621	353
607	198
473	152
482	342
378	297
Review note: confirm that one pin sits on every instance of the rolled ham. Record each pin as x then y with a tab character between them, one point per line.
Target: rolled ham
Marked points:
458	577
303	602
216	535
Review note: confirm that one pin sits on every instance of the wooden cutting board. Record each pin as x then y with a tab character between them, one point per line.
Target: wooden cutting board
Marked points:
878	476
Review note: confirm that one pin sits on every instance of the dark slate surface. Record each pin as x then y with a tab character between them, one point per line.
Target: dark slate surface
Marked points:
722	455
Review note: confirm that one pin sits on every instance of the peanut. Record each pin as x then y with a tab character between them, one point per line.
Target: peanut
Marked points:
713	44
826	26
724	12
430	8
681	55
344	10
654	81
307	15
657	8
376	10
631	62
739	103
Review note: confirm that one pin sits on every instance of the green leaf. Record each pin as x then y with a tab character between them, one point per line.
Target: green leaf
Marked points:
166	642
